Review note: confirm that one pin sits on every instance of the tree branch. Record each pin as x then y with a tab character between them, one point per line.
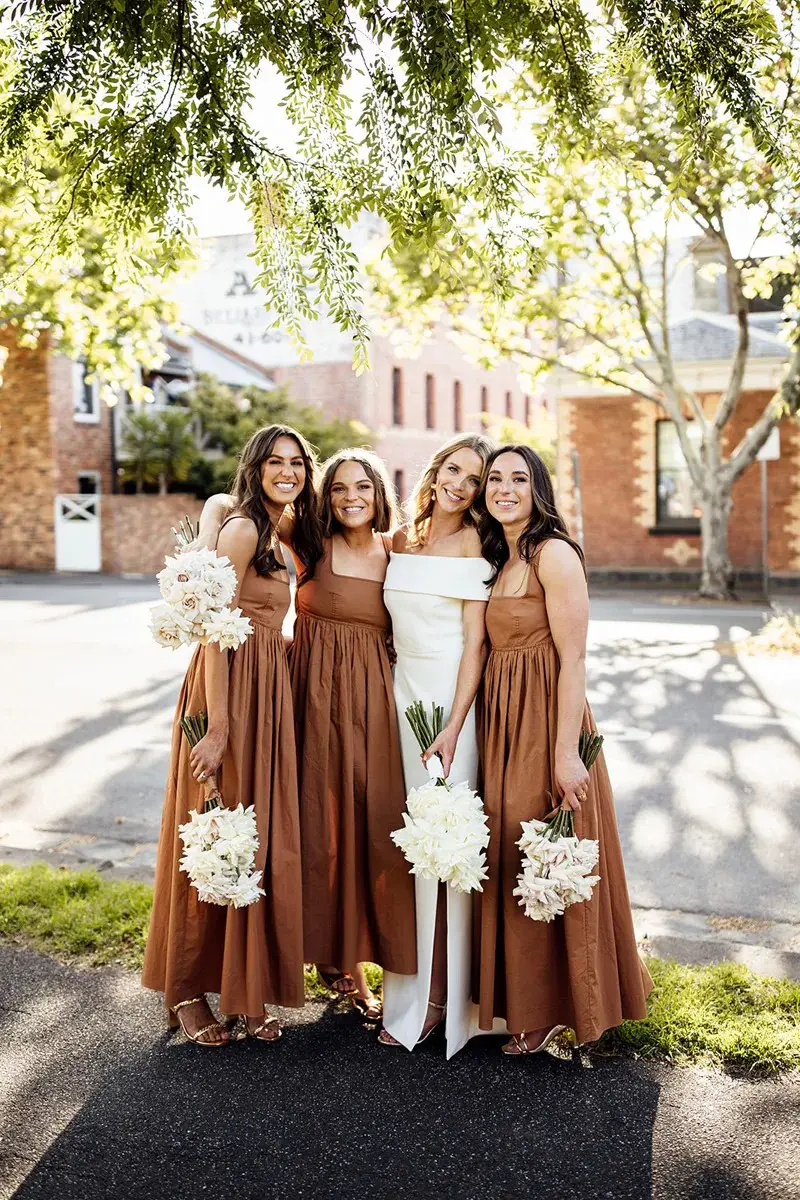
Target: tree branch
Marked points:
755	437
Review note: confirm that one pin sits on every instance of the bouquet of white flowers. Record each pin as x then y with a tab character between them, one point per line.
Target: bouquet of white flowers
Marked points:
557	866
219	844
197	588
445	831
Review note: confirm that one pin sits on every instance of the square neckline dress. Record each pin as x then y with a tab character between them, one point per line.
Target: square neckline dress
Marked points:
358	898
252	956
583	969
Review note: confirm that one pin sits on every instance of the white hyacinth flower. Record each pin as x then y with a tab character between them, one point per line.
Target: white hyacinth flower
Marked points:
556	872
219	855
445	834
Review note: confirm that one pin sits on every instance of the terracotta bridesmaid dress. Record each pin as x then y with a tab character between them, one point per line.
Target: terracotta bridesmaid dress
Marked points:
583	969
252	956
358	895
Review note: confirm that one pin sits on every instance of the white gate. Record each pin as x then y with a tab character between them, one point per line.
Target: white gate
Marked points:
78	533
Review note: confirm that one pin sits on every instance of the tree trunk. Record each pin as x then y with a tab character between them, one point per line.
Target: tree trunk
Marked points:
139	484
717	575
162	483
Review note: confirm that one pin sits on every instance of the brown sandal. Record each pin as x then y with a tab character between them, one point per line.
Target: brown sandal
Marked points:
370	1010
332	980
196	1038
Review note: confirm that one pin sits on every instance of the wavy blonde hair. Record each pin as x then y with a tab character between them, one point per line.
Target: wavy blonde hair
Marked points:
419	507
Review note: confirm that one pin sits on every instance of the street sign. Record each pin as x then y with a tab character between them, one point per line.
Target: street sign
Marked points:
771	450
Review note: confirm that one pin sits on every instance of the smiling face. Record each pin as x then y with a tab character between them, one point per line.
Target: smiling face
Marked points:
352	495
283	472
509	492
457	481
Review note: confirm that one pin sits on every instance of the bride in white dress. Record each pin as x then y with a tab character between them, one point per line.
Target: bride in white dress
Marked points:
436	594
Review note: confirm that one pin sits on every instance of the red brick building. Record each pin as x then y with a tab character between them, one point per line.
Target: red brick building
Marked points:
622	480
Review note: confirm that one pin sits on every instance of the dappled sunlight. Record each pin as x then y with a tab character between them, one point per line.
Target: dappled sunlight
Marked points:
693	737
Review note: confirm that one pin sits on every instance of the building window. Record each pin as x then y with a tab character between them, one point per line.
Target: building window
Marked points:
485	400
397	396
528	411
676	504
509	405
89	483
85	396
458	407
399	485
430	403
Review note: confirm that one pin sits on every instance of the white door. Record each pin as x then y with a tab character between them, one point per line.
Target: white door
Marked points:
78	533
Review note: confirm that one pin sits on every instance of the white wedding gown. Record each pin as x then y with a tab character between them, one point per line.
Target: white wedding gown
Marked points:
425	595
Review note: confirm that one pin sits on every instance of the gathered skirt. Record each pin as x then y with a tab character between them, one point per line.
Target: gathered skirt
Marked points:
583	969
252	956
358	895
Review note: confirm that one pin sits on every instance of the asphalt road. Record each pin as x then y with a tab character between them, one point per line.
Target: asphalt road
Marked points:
703	745
96	1101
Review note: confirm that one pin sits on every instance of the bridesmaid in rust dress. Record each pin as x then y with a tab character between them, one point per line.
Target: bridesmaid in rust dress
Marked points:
581	970
252	956
358	895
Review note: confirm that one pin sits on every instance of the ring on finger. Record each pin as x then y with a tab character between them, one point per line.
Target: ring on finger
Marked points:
202	775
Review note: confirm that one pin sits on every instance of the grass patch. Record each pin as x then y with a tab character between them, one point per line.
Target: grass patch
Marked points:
718	1015
75	914
780	634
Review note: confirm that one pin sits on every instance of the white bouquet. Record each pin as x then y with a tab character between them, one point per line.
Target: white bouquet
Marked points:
445	831
557	866
197	587
219	849
219	844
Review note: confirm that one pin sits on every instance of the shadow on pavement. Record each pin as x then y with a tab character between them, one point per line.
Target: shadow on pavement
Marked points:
328	1113
691	735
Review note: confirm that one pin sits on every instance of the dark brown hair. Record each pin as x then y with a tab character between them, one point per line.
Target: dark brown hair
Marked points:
387	513
545	520
248	496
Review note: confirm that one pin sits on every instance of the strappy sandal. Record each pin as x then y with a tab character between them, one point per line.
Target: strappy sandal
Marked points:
386	1039
370	1010
332	979
196	1038
241	1029
521	1046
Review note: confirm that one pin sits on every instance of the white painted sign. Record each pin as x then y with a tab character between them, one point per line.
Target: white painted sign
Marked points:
771	450
222	300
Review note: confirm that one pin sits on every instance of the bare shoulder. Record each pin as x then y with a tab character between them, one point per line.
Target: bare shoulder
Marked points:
559	561
221	503
470	543
238	536
400	539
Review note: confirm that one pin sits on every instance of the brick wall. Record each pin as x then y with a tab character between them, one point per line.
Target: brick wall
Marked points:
77	445
615	438
26	460
135	530
407	447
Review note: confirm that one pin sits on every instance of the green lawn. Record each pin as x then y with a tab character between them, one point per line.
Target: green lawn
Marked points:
714	1015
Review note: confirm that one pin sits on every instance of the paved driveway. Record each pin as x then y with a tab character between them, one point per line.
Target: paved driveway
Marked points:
703	746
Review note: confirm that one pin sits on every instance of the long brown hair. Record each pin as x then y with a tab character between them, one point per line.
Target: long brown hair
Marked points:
387	513
545	520
248	496
421	501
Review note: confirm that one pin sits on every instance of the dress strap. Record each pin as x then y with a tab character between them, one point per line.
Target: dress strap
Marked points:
386	538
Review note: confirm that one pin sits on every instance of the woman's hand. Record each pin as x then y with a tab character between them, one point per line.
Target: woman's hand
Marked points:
445	746
572	780
206	756
391	652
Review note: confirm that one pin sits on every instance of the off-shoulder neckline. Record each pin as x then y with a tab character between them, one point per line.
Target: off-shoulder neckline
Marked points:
441	557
